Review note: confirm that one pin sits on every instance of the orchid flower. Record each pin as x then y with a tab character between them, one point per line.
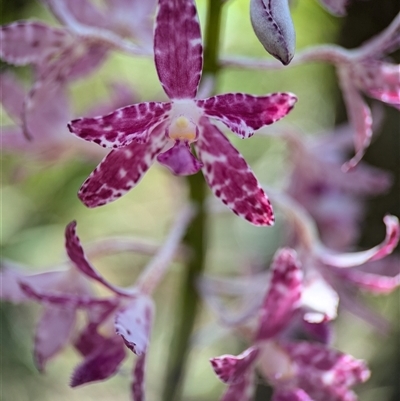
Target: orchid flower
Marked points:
113	323
61	55
49	120
140	132
297	370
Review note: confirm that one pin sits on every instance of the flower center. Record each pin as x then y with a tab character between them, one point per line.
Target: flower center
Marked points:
183	129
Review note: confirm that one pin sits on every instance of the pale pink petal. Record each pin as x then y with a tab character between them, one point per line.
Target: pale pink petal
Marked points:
52	333
230	368
180	160
283	297
122	126
244	114
325	373
379	80
344	260
133	323
296	394
178	48
121	170
335	7
137	386
359	115
102	363
230	178
26	42
78	257
12	96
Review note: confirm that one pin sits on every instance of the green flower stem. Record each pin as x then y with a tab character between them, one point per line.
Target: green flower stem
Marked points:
195	239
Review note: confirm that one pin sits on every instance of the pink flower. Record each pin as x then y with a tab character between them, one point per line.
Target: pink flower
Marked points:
297	370
61	55
139	133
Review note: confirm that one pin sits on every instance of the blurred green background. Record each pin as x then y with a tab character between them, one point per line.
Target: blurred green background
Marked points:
36	209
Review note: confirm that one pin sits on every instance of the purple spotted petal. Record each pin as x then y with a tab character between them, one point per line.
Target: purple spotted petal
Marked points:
178	48
53	332
378	252
121	170
78	257
283	296
179	159
26	42
379	80
335	7
101	363
230	178
230	368
137	386
134	322
122	126
296	394
325	373
244	114
359	115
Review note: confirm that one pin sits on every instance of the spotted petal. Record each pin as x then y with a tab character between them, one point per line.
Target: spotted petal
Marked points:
26	42
134	322
120	171
283	296
178	48
244	114
230	178
122	126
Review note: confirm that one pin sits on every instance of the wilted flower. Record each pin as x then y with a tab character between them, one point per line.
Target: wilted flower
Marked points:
141	131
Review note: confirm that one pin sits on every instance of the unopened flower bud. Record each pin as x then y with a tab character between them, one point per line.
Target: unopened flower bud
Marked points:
273	25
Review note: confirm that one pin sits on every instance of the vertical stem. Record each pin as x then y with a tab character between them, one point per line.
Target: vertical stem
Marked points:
195	239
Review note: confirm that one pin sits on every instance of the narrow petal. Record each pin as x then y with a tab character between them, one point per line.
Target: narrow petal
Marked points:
242	391
122	126
230	178
296	394
273	25
27	42
359	115
137	386
283	296
120	171
179	159
231	369
134	322
100	364
335	7
78	257
344	260
12	96
52	333
244	114
178	48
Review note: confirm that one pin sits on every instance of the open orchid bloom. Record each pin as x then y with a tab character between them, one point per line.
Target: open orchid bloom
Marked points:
60	55
51	141
334	199
296	370
140	133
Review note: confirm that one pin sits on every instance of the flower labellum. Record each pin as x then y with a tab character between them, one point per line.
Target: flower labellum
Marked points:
273	26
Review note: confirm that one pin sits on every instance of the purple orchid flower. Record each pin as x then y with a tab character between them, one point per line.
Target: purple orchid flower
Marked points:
49	121
140	132
297	370
61	55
